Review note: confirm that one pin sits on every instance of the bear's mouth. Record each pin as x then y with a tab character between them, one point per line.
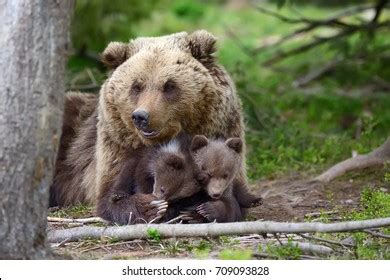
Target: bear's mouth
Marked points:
148	133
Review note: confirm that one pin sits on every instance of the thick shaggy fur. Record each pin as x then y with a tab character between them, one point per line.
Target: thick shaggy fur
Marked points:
97	139
167	171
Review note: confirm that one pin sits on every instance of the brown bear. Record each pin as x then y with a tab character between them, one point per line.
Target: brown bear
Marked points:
157	87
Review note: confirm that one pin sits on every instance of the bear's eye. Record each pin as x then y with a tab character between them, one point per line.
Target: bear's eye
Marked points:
136	88
225	176
203	178
170	87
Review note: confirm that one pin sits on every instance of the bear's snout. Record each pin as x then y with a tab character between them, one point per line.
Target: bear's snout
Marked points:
140	119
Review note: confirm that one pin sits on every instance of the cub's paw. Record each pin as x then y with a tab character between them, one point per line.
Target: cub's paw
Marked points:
150	208
256	202
160	206
191	217
207	211
116	197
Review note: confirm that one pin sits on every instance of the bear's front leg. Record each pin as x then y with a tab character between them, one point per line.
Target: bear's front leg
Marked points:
245	198
123	208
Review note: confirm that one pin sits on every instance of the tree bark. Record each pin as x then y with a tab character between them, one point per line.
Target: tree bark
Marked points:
34	43
140	231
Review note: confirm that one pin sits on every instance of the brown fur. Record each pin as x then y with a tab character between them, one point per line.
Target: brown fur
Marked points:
76	150
200	99
170	172
220	161
165	171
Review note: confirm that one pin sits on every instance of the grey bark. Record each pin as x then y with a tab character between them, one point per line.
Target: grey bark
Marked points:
34	43
139	231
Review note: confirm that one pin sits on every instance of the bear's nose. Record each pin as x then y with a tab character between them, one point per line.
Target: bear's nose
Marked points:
140	119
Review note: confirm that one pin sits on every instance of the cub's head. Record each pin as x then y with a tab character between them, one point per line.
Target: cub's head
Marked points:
219	160
158	84
175	174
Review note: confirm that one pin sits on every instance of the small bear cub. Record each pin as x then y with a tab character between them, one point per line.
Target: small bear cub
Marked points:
219	161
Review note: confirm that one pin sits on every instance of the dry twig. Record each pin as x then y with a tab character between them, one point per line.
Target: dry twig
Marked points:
90	220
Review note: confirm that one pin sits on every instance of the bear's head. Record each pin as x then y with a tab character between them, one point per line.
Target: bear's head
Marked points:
175	174
219	160
158	85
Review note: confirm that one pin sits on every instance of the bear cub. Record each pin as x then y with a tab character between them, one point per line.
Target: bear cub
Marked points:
164	172
220	161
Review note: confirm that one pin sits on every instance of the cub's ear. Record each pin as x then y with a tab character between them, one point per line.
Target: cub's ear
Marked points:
115	54
198	142
175	161
235	144
202	46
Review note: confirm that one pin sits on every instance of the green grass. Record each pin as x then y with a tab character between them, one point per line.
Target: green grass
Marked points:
154	234
374	204
77	211
288	251
235	254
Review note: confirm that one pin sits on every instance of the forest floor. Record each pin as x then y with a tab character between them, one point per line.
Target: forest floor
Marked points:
288	199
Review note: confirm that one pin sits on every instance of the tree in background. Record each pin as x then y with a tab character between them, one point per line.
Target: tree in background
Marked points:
33	48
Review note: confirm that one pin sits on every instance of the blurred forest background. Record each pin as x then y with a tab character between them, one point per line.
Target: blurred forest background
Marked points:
304	111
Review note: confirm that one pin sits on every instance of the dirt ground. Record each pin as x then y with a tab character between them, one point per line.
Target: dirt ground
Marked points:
287	199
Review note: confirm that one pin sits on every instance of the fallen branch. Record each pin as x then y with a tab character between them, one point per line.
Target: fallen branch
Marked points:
378	157
317	214
377	234
139	231
316	73
81	221
333	242
311	248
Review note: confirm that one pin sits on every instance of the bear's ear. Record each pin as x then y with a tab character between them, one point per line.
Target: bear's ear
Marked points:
175	161
235	144
115	54
202	46
198	142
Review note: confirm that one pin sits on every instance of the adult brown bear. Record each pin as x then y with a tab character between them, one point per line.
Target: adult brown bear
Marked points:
158	87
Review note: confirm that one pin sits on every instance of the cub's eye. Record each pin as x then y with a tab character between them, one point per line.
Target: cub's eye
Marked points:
203	178
225	176
170	87
136	88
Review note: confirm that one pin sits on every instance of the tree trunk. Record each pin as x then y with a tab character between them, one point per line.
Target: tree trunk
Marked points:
34	43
